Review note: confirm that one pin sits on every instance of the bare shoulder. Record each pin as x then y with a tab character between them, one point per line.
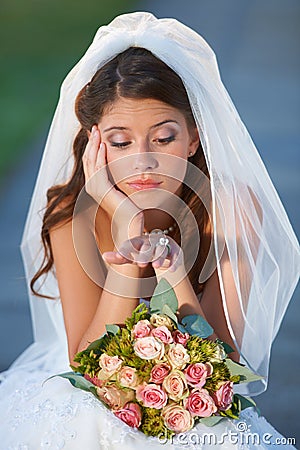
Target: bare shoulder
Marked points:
61	214
79	291
212	283
213	308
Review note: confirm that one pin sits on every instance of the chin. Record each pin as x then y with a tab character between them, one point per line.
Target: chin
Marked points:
151	198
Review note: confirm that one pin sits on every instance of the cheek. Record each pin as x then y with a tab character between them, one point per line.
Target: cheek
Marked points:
176	168
170	166
118	167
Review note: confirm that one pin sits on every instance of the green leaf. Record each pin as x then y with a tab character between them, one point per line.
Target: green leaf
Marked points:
226	346
181	328
235	408
211	421
235	379
197	325
163	295
78	381
246	375
230	413
234	411
246	402
168	312
113	329
139	313
95	345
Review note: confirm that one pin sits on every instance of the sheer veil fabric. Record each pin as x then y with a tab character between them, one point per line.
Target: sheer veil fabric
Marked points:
259	269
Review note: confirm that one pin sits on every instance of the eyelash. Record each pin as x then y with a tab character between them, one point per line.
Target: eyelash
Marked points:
119	144
160	141
166	140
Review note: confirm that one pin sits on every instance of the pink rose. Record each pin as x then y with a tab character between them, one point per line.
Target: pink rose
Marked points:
197	373
178	356
199	403
175	385
177	419
110	364
95	380
223	396
115	398
128	377
148	348
180	338
159	372
141	329
130	414
151	396
163	334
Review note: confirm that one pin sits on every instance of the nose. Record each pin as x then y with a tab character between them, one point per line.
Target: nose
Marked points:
144	159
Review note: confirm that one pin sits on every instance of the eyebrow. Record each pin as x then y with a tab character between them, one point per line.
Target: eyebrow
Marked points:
153	126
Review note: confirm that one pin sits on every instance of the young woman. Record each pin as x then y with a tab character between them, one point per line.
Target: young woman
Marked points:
164	182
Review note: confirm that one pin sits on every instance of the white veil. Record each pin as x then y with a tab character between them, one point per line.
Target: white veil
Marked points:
261	261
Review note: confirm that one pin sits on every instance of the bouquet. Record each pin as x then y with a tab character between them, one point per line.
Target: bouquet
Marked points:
159	375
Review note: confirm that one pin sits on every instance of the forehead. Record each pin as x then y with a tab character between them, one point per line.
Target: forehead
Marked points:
147	109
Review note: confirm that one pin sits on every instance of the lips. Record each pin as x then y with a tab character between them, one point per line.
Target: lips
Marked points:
144	184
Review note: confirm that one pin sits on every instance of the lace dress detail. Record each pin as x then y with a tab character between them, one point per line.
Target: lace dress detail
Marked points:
51	414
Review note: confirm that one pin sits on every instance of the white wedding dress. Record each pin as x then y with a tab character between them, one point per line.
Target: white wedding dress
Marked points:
36	414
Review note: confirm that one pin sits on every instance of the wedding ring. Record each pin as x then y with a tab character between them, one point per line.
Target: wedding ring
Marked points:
165	242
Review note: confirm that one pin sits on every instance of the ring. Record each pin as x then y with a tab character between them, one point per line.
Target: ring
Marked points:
165	242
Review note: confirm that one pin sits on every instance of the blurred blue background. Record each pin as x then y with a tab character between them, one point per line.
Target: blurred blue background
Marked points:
257	47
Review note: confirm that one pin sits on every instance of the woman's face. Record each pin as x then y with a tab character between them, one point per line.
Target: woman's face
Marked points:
148	143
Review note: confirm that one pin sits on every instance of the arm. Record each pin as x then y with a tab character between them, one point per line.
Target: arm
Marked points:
86	306
114	307
210	307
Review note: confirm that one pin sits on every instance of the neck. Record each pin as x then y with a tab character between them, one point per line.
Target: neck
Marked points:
155	218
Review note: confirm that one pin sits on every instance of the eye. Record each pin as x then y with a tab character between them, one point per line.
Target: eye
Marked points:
120	144
166	140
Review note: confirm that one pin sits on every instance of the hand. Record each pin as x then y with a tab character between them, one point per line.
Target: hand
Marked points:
100	188
142	250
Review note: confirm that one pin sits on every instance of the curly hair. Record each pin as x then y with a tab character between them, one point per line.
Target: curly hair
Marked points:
137	74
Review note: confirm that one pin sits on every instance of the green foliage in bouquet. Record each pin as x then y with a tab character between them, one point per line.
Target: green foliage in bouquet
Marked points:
161	376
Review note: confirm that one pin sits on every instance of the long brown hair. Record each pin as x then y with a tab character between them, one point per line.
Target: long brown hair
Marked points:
136	73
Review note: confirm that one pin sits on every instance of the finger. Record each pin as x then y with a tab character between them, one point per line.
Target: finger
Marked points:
101	159
177	260
160	255
145	254
127	253
91	151
130	248
115	258
174	262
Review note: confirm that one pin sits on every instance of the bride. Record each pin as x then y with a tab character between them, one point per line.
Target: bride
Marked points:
158	151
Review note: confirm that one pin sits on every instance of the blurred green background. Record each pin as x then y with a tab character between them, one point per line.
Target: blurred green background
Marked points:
41	40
